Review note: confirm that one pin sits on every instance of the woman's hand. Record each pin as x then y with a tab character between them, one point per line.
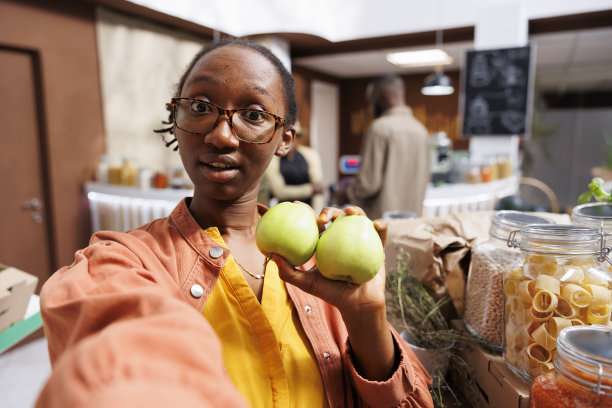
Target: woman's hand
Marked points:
347	297
362	306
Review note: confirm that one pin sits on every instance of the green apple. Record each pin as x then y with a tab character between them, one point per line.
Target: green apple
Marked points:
289	230
350	249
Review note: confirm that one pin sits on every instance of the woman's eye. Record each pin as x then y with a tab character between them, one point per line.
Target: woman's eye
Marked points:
254	116
200	107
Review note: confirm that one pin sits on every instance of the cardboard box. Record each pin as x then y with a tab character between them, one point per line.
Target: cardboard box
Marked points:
494	384
16	287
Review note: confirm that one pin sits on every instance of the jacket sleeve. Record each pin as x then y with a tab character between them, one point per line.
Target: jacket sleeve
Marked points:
369	180
408	386
120	335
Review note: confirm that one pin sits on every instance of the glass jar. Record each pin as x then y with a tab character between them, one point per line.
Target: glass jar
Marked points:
582	376
561	283
597	215
484	304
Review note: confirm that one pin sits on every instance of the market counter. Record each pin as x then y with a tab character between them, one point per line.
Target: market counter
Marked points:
119	208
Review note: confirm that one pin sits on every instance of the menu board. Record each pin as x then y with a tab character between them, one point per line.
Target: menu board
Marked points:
498	88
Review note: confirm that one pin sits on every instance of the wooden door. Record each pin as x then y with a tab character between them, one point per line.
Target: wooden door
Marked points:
24	228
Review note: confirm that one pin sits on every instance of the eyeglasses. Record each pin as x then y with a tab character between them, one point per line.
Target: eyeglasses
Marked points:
201	117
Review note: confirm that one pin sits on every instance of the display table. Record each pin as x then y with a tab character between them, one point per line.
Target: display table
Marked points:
120	208
462	197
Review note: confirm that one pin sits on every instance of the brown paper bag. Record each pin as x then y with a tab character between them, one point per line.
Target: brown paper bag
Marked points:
440	249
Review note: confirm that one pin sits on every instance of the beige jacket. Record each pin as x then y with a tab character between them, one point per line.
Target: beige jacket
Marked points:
394	170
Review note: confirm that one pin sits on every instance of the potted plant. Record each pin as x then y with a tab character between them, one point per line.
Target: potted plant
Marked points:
425	329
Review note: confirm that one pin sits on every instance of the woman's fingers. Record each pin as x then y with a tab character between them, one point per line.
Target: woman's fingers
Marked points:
382	228
354	210
331	213
328	214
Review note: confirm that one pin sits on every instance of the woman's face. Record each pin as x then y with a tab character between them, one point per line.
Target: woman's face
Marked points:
221	166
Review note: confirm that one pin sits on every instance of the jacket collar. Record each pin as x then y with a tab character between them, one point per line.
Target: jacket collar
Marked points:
189	228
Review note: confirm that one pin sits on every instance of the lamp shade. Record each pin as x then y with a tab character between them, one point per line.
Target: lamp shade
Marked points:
437	83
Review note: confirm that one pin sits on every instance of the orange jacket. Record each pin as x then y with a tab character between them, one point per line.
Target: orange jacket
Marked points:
124	323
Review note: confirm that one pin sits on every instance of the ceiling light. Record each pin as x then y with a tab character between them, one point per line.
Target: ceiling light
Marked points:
437	83
419	58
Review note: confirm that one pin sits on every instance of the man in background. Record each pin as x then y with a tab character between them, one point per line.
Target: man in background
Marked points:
394	169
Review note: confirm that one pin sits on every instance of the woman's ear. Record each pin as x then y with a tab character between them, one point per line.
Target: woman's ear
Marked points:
286	142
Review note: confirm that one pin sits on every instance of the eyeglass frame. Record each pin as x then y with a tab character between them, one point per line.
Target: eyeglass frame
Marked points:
228	113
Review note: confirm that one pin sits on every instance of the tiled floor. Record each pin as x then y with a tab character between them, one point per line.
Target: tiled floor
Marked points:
23	372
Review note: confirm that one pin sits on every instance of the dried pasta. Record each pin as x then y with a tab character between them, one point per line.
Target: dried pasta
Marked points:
543	338
526	290
577	295
538	317
544	302
601	295
552	294
556	324
565	309
510	288
549	283
598	314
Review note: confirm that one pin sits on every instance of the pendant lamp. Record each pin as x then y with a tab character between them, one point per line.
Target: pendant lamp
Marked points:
437	83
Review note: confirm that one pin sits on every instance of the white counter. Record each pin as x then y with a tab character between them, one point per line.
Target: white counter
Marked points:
462	197
119	208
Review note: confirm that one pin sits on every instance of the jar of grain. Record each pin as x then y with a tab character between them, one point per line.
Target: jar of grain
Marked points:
484	303
582	374
562	283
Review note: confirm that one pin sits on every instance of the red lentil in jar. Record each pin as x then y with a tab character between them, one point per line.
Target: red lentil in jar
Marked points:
582	377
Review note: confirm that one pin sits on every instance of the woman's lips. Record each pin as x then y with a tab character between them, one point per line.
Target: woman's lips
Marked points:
219	172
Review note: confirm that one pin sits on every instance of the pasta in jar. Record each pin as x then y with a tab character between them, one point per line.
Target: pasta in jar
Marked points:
484	307
561	283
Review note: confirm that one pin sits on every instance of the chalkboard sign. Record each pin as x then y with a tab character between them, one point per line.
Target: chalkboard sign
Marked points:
497	92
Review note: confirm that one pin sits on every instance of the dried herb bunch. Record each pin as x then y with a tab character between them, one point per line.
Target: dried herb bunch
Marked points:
420	313
421	316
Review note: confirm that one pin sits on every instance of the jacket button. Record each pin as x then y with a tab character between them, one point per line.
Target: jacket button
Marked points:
215	252
308	309
326	356
197	291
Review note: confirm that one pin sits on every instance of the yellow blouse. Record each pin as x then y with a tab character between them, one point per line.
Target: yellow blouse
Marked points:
265	350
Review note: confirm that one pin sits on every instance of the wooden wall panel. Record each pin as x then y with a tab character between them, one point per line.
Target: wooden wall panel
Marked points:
63	34
437	113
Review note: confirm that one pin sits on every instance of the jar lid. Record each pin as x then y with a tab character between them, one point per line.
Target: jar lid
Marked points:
587	349
592	213
516	219
505	221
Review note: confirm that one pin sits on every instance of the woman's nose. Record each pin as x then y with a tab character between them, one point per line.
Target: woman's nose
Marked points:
222	134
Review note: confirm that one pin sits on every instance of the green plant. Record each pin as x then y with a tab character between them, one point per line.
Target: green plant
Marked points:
595	191
423	319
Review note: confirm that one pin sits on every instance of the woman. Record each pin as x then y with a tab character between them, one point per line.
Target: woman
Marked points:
131	304
297	176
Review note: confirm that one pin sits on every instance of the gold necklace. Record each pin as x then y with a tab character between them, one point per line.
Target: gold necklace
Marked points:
256	276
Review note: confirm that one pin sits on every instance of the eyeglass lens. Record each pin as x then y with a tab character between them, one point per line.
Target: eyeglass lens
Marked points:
251	125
